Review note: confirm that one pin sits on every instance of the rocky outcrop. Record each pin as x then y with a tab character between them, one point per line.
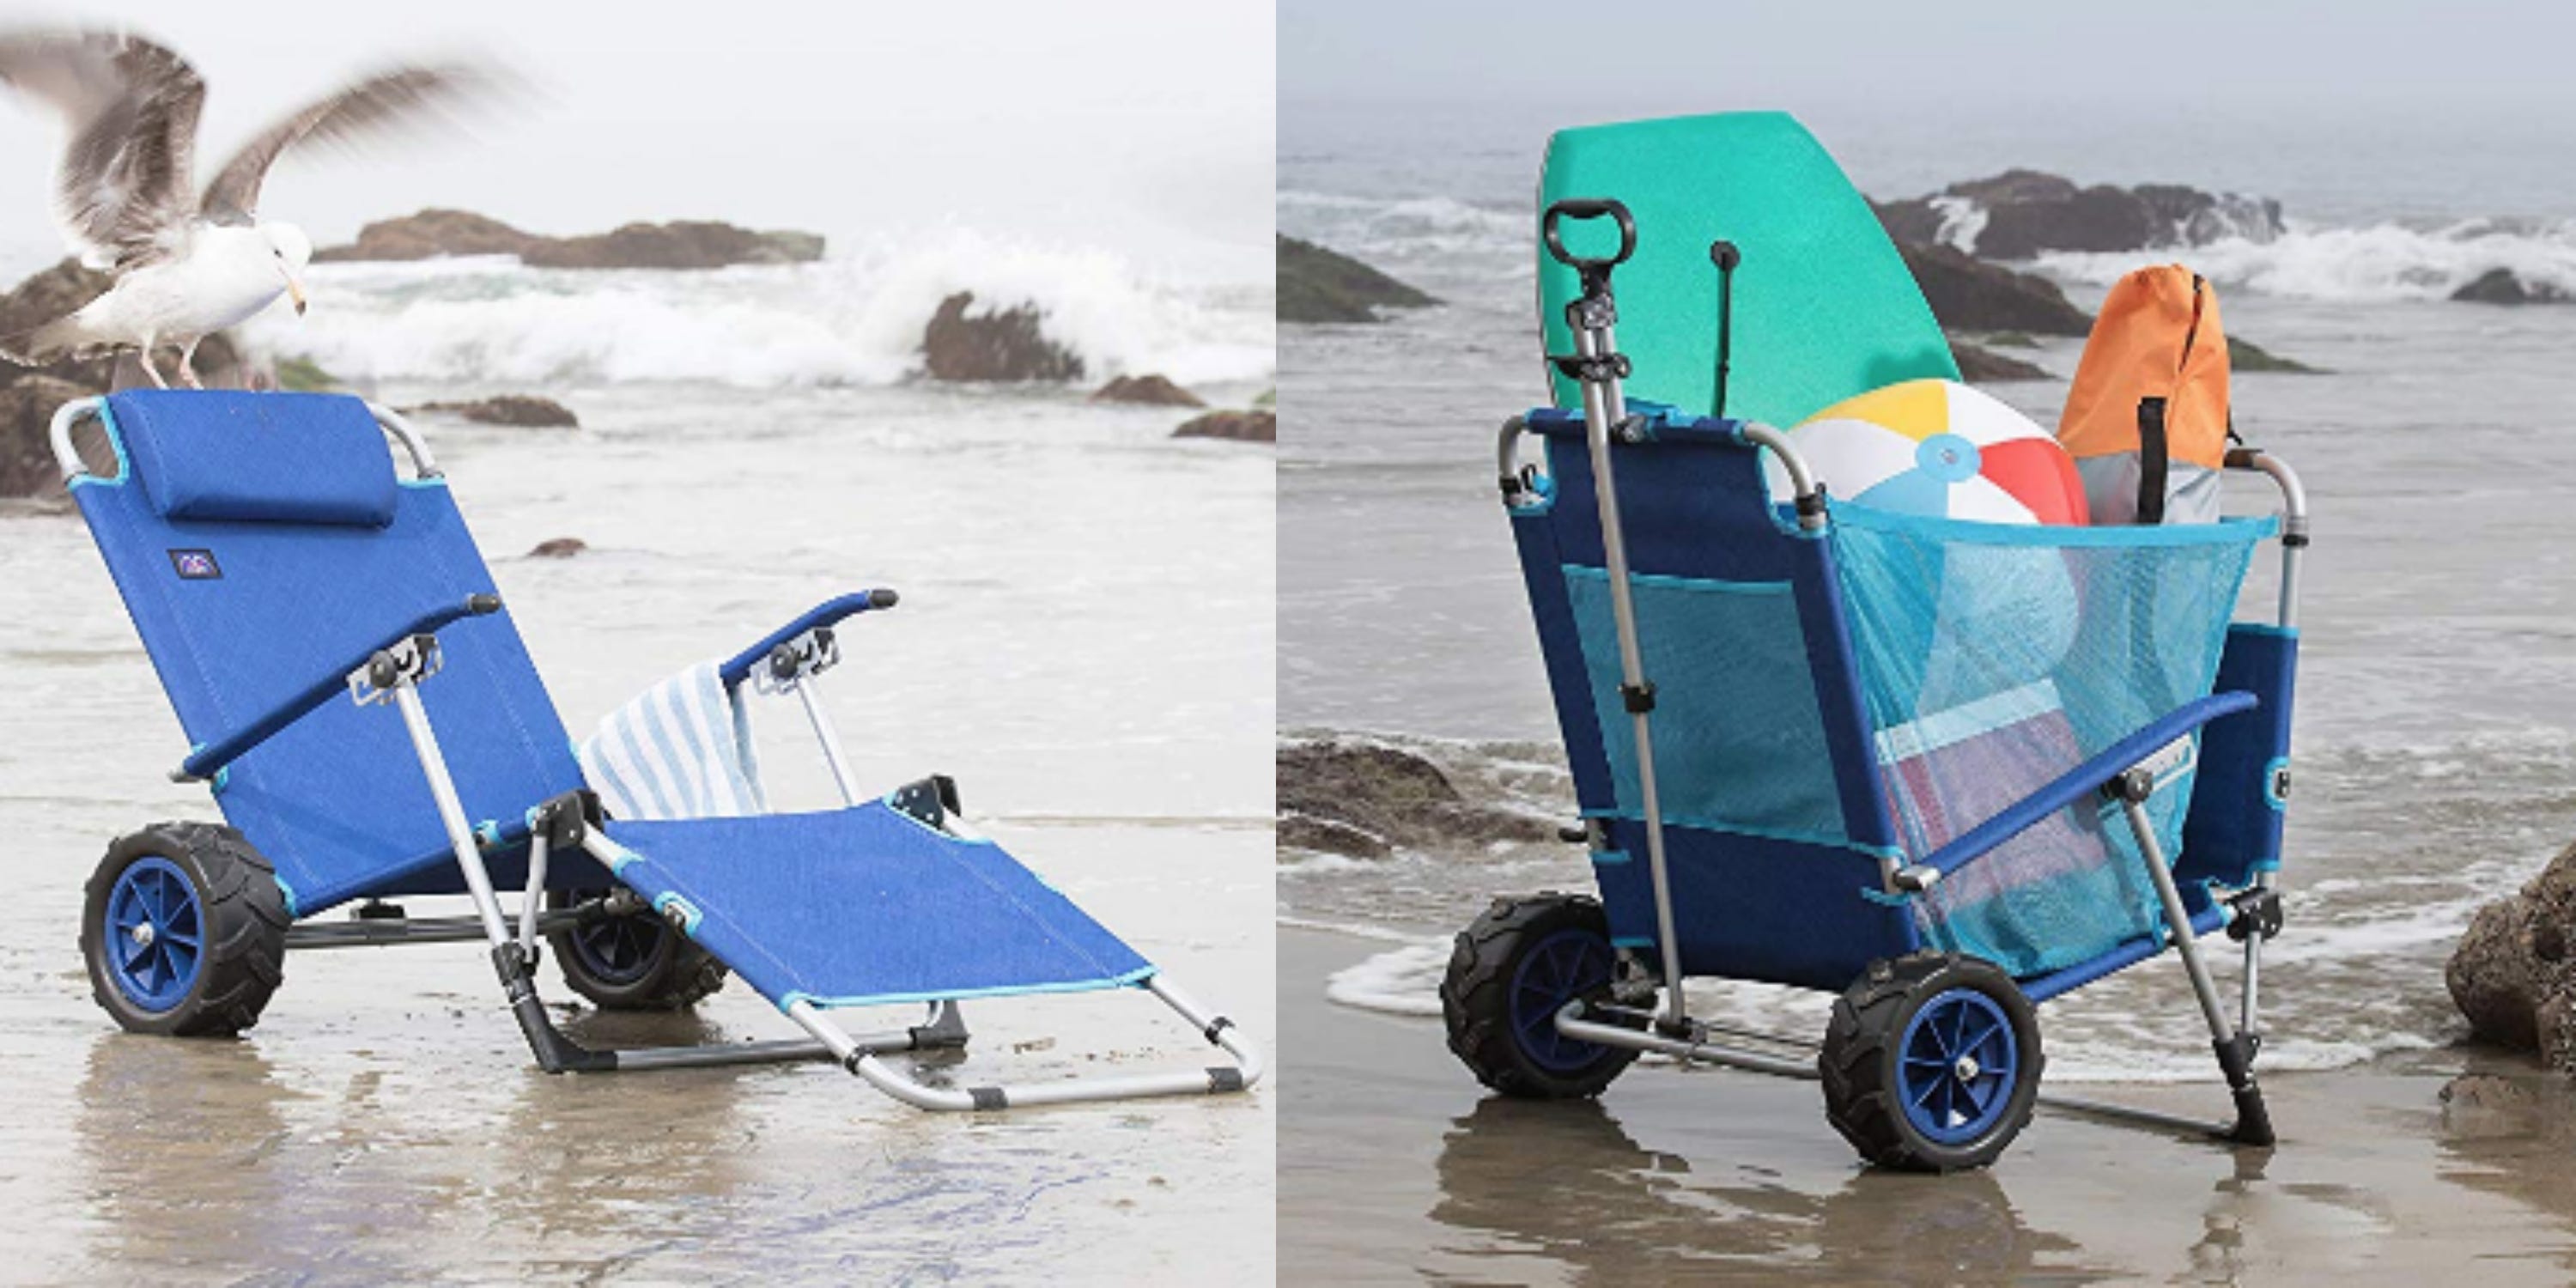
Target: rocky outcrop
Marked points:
1979	365
1318	285
517	410
1150	391
2514	972
431	234
1365	800
558	548
1969	295
27	406
2504	286
682	244
2245	355
1008	345
2021	213
1240	426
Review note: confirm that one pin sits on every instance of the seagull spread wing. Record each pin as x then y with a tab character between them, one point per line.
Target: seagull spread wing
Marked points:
122	192
370	106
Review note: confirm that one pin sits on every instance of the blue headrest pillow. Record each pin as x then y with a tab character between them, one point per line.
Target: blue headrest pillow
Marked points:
257	458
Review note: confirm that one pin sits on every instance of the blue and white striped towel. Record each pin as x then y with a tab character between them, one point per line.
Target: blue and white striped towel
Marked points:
681	749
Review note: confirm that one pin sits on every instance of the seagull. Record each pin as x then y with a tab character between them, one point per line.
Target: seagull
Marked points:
186	265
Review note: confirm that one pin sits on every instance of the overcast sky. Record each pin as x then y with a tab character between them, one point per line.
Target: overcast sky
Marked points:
1934	55
1145	126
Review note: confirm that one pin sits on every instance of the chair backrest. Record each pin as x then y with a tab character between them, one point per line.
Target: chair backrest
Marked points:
262	540
1824	307
1770	790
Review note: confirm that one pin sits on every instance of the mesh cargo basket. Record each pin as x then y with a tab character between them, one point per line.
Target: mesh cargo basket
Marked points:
1995	658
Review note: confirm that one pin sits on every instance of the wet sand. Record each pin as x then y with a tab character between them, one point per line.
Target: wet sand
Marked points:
1395	1167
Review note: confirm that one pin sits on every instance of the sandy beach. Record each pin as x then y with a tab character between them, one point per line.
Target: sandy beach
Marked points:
1395	1167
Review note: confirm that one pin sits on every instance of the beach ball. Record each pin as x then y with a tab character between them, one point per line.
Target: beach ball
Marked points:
1940	449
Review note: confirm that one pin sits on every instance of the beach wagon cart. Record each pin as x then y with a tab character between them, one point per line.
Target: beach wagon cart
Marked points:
1948	770
372	727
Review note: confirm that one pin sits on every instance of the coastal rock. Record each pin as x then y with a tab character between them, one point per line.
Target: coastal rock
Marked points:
2504	286
1979	365
2021	213
1968	295
683	244
2513	974
2245	355
558	548
516	410
1239	426
1318	285
429	235
1364	799
1151	391
27	407
1008	345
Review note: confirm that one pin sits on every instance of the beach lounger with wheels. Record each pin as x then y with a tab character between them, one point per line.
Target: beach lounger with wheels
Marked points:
371	726
1946	770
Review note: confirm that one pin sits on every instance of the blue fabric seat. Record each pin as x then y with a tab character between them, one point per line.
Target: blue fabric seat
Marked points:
867	906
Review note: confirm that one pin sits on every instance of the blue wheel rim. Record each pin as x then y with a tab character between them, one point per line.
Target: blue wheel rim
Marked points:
618	950
1569	964
154	938
1958	1064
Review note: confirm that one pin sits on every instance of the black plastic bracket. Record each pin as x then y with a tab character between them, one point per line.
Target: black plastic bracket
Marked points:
1639	697
2255	911
928	801
1600	368
566	819
2133	785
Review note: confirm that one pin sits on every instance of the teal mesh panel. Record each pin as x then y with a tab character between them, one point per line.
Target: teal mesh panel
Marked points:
1739	746
1995	658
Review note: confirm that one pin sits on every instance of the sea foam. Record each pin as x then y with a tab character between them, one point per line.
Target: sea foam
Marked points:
854	318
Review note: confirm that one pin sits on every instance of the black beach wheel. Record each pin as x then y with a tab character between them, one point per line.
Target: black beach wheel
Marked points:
1931	1063
1510	974
632	963
184	931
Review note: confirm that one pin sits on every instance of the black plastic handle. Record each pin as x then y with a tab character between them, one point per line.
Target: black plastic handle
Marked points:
1589	208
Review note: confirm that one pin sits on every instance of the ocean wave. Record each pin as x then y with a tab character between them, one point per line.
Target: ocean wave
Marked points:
1404	226
855	318
2380	263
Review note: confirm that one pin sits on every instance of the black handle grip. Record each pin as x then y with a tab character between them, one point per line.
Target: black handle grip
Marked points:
1589	208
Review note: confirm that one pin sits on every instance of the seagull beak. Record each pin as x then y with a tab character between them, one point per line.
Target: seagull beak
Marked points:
295	292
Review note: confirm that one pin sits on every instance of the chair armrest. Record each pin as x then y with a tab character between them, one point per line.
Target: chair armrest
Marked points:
206	761
2082	780
742	664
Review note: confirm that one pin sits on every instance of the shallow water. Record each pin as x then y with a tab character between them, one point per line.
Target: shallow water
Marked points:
1084	642
2438	684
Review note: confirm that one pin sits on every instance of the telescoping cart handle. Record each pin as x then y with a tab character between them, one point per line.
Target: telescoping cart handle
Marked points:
1589	208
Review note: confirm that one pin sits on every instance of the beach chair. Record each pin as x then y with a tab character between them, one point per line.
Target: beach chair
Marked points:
371	726
1947	770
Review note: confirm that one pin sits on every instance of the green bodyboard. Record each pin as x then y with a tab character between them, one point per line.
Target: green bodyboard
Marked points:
1824	306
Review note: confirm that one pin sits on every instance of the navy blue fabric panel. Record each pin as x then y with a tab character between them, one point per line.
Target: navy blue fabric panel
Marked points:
2234	828
278	458
1753	908
864	906
1561	649
337	801
1694	506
